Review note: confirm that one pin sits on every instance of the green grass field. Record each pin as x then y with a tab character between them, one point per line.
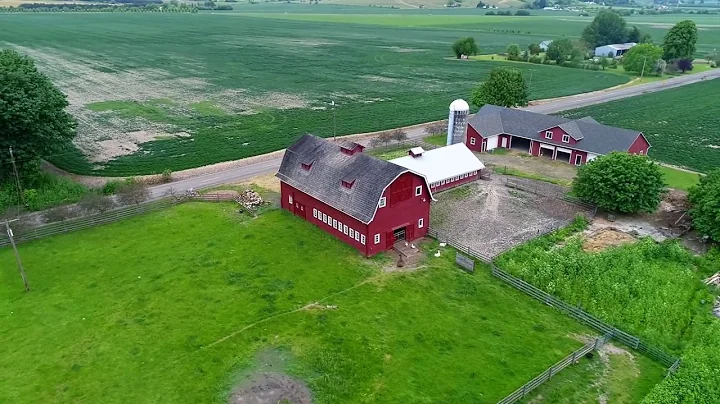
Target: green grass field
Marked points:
681	129
125	313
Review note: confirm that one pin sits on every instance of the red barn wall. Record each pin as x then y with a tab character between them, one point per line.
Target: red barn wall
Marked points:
578	153
453	184
404	213
472	133
639	145
308	203
557	135
535	148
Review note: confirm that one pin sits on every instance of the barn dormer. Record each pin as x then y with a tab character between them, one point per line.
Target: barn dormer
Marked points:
416	152
351	148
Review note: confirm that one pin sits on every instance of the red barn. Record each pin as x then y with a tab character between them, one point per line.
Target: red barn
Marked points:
574	141
364	201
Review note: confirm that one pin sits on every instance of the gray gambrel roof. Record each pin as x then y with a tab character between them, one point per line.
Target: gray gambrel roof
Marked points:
591	136
330	167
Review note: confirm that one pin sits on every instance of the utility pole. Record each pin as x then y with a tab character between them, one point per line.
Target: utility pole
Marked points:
643	69
17	180
17	255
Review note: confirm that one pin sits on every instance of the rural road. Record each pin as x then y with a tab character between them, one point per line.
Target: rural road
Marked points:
242	173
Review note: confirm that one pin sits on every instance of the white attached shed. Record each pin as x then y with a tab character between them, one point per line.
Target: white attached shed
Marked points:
444	167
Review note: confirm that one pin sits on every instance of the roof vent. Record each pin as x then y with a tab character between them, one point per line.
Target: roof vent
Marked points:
416	151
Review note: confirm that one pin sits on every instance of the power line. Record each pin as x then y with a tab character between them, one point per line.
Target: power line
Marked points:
17	254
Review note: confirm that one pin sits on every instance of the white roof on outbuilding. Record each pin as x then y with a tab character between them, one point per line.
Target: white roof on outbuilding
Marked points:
442	163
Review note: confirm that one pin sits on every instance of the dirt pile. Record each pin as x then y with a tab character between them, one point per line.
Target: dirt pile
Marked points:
606	238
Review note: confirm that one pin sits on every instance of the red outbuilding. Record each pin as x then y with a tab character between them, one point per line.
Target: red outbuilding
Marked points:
364	201
574	141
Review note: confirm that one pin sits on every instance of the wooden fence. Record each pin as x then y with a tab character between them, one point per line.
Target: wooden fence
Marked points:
554	369
591	208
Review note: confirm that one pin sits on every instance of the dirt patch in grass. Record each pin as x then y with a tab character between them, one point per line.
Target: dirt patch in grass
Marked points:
271	388
267	181
606	238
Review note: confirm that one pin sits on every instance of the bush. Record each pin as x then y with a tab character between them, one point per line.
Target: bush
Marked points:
535	59
111	187
133	192
621	182
42	192
522	12
705	200
490	13
166	176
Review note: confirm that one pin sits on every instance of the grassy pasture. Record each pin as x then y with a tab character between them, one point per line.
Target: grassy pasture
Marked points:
682	125
124	313
241	86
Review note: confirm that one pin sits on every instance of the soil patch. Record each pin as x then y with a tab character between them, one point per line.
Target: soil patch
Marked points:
272	388
606	238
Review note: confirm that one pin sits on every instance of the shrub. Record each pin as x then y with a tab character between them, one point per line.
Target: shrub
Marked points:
111	187
705	200
522	12
490	13
398	135
621	182
133	192
535	59
166	176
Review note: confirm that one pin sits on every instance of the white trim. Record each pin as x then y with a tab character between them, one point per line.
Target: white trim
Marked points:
418	190
546	146
420	223
566	137
377	239
578	163
340	226
362	239
325	218
383	202
357	236
345	229
352	233
547	132
315	213
335	224
290	199
472	141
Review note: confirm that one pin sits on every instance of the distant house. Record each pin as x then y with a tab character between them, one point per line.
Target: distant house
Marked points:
364	201
574	141
445	167
544	45
616	50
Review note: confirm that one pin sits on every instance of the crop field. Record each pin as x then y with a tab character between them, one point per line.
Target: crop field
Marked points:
137	316
174	91
682	125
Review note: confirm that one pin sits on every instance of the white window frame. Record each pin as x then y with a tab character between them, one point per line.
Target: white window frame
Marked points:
329	220
442	182
377	239
548	134
340	226
641	152
418	190
352	233
334	223
578	163
472	141
315	213
383	202
566	139
345	229
362	239
357	236
290	199
421	222
325	218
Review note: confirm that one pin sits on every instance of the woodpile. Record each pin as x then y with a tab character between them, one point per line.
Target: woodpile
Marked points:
249	199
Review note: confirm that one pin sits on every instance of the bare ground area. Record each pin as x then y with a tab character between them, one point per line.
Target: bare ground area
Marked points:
605	238
491	218
272	388
518	160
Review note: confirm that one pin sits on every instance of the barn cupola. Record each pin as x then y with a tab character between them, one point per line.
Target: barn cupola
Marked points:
351	148
347	183
416	152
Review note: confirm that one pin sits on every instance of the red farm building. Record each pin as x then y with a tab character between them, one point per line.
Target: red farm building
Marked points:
444	167
364	201
574	141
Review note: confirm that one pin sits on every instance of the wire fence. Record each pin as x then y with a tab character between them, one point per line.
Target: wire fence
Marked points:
555	369
563	195
671	362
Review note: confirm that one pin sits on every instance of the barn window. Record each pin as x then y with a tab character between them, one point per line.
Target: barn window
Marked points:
566	138
357	236
345	229
420	223
418	190
315	213
290	199
642	152
324	218
362	239
377	239
442	182
334	224
383	202
352	233
340	227
306	166
472	140
548	134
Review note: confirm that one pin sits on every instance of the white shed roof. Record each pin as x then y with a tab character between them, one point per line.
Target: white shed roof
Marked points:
442	163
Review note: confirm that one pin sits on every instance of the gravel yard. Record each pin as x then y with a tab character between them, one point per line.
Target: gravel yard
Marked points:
491	218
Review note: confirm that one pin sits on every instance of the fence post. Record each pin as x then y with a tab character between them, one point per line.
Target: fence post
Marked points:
550	372
523	390
573	357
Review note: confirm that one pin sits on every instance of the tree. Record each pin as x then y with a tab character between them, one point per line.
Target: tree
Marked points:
465	46
660	67
33	120
604	62
522	13
513	51
684	65
705	201
634	35
398	135
679	42
133	192
436	128
621	182
534	49
505	87
646	38
642	56
480	4
559	50
607	28
94	203
539	4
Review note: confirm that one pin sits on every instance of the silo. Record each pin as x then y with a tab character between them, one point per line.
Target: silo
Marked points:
457	121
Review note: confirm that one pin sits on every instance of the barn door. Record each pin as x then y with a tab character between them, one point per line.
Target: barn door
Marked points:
390	237
300	209
409	232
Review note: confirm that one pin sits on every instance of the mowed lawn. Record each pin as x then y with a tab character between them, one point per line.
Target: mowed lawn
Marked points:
174	305
682	124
